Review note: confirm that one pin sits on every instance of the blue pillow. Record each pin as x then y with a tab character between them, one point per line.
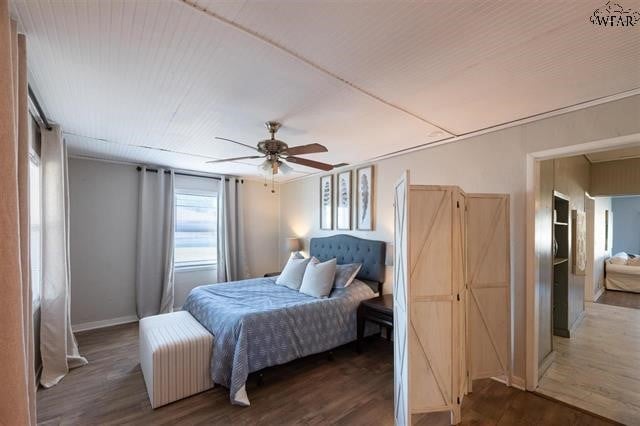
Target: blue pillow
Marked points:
345	274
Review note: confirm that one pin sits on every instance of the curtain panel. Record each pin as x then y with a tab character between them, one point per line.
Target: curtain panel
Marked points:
17	404
232	262
58	347
155	243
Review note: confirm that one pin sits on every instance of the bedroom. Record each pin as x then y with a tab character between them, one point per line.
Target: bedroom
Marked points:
140	96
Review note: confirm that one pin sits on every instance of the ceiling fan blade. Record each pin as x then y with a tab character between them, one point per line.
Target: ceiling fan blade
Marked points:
306	149
239	143
235	159
310	163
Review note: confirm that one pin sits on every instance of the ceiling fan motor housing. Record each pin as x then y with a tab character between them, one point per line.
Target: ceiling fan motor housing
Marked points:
272	146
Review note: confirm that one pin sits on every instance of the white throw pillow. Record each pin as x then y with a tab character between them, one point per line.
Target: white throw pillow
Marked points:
292	273
318	278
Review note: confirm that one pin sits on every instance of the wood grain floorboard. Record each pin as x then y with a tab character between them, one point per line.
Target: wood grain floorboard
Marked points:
598	369
350	390
620	298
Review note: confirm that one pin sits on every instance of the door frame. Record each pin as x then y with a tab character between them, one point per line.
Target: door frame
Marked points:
532	183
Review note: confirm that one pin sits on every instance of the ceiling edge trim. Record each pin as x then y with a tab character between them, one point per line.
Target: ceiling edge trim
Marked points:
491	129
317	67
152	148
91	157
137	164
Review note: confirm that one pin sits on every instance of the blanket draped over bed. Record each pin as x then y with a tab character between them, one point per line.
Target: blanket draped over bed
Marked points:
257	324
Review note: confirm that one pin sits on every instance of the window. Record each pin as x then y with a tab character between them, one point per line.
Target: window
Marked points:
35	232
196	235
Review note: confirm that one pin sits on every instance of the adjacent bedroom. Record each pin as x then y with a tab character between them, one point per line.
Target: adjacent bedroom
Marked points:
333	213
623	268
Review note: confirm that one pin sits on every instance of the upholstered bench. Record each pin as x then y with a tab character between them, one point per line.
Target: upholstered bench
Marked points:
175	357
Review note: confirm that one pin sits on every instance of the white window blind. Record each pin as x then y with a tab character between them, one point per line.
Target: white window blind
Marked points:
196	229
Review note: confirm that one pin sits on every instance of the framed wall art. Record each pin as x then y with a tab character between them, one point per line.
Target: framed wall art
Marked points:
343	202
326	202
579	242
365	199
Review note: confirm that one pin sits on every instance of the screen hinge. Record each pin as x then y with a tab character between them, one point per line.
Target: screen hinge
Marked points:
458	297
458	204
458	400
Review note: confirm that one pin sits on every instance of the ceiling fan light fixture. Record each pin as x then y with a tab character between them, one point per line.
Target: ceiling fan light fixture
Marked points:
265	166
285	168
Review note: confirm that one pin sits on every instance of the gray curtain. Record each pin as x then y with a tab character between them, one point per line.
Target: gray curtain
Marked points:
58	346
17	402
154	257
232	264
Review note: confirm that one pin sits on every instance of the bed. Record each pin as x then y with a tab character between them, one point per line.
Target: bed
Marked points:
258	324
622	273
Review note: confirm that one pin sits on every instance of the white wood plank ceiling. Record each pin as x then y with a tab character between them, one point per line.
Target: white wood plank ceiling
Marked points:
156	81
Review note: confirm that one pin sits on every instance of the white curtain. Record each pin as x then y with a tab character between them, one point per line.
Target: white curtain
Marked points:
155	247
58	346
17	383
232	264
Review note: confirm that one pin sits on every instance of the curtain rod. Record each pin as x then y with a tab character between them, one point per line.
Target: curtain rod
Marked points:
41	113
189	174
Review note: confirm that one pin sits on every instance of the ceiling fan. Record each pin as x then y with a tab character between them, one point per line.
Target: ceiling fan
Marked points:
277	153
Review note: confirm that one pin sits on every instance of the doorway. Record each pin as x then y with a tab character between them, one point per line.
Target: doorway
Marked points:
576	345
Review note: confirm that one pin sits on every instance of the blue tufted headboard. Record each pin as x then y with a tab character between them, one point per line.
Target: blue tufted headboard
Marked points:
350	249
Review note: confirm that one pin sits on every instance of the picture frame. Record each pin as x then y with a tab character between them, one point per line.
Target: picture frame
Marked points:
343	200
365	198
579	242
326	202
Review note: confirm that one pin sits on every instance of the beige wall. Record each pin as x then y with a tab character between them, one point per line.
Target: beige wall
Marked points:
492	162
544	241
571	177
262	227
103	217
621	177
600	254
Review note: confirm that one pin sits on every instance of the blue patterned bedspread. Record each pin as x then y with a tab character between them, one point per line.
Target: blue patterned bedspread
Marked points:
257	324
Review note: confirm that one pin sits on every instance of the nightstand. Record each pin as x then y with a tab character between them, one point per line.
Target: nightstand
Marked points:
378	310
271	274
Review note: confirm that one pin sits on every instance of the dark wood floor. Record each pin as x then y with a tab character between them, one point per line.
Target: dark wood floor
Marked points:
620	298
351	390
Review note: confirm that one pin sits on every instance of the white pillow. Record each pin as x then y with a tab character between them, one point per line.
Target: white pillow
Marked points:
619	259
292	273
318	278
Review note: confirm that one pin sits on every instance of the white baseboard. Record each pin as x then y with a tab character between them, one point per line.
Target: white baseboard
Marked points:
598	293
103	323
516	382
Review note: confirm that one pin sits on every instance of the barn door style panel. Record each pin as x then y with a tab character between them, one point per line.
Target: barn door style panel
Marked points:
436	336
402	412
488	281
451	296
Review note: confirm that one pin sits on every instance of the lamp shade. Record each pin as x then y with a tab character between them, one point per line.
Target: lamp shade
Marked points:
293	244
389	254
